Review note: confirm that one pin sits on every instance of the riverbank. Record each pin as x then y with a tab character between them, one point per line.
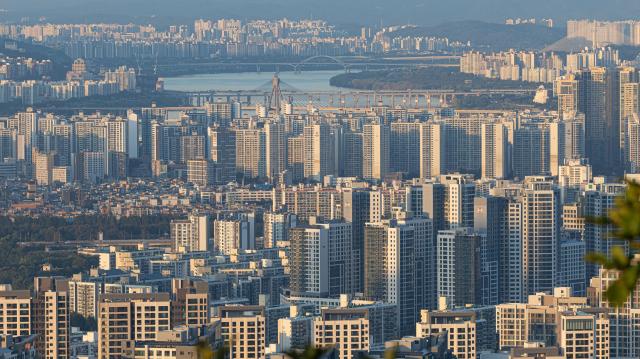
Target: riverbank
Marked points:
121	100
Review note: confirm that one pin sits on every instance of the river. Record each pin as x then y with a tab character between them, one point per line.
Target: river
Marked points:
248	81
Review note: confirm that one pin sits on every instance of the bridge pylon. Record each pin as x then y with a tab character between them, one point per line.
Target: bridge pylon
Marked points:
275	99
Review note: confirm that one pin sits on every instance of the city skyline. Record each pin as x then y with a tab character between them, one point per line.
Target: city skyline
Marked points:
264	187
376	13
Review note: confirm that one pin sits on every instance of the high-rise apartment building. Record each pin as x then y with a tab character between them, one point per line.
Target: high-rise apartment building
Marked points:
126	318
352	155
244	330
631	138
318	160
51	320
275	147
93	167
251	153
530	151
276	227
201	172
43	315
295	332
574	173
398	265
555	320
16	313
495	151
220	112
584	334
511	255
597	201
459	191
83	298
460	328
26	124
565	88
322	258
375	151
189	303
356	209
117	135
489	225
433	151
348	334
295	158
231	235
405	148
463	143
458	267
540	236
43	166
222	151
192	147
191	234
566	141
599	100
623	321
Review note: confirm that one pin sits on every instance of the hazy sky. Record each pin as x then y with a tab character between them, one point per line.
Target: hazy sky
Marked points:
340	11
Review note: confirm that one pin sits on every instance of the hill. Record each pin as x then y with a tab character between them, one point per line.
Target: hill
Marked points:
574	44
61	62
361	12
420	79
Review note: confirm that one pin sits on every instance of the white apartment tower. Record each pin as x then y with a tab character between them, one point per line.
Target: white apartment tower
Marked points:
495	151
190	235
375	151
432	150
540	237
317	151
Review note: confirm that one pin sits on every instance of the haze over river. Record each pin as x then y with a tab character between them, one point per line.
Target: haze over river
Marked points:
247	81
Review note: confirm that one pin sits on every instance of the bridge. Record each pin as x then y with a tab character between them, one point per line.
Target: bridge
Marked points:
323	100
349	98
346	62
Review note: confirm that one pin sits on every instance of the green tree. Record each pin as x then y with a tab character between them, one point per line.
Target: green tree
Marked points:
625	218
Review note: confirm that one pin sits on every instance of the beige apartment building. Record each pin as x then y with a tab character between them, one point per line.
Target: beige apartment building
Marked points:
347	334
50	317
584	335
460	327
559	320
15	313
244	330
126	318
46	315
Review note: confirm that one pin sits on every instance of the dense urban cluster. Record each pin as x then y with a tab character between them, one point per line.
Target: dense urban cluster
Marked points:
79	83
535	67
16	68
432	231
605	32
224	37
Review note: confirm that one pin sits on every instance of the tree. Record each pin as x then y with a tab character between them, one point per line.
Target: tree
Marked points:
84	323
625	218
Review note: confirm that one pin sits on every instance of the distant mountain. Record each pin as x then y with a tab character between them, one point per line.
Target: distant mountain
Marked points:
372	12
37	52
573	44
491	36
